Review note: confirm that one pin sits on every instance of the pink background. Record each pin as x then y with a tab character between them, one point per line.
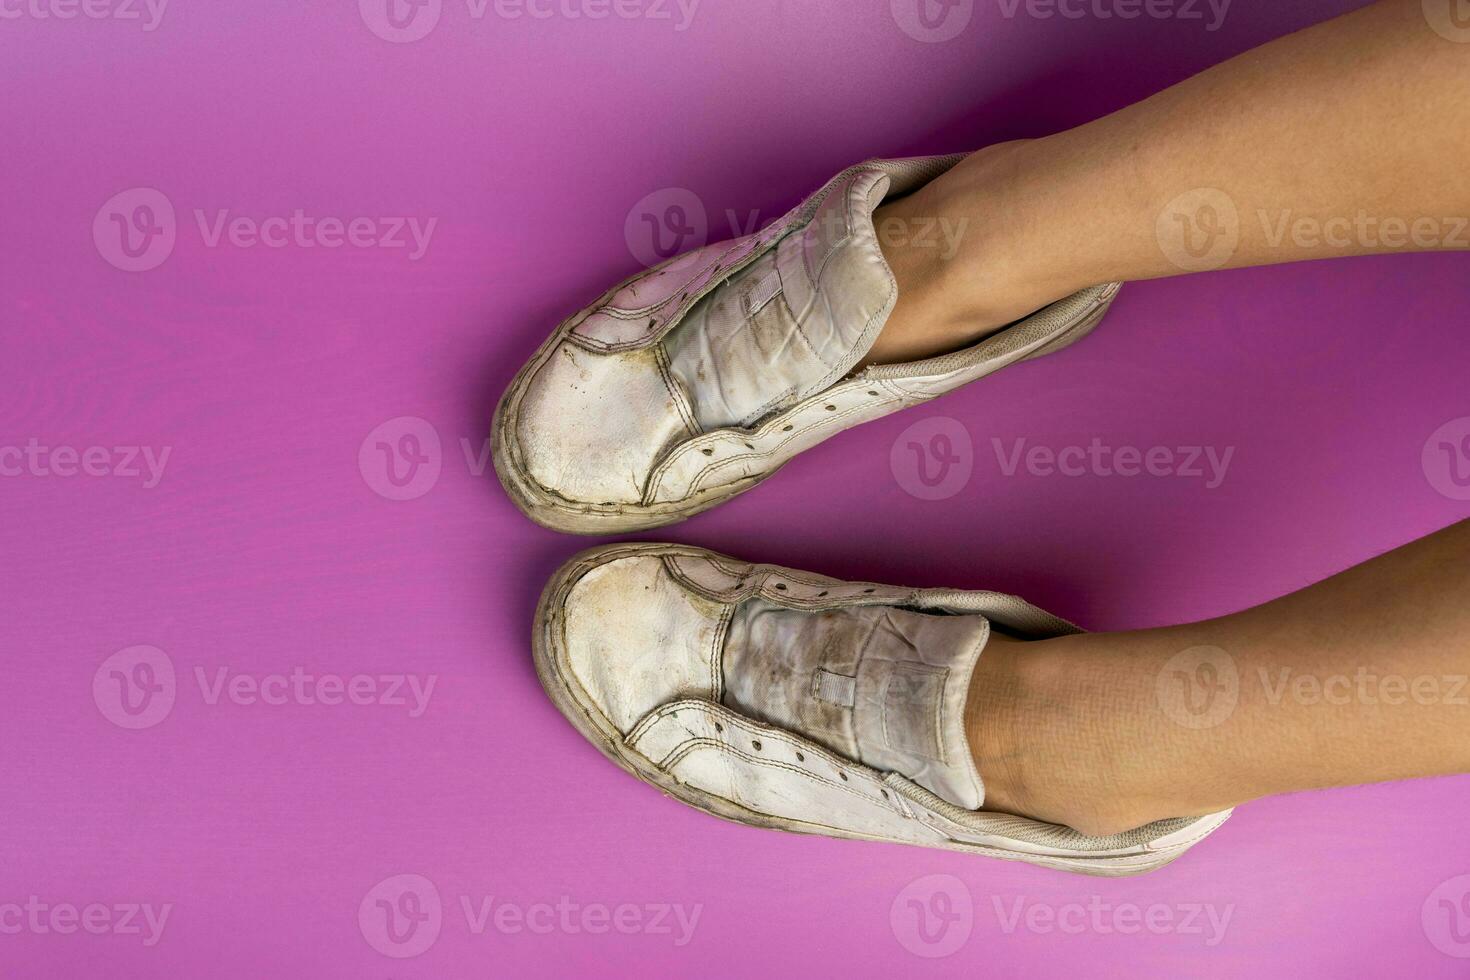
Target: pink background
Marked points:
265	549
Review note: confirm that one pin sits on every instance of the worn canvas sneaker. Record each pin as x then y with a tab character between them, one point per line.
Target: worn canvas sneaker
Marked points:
789	700
696	380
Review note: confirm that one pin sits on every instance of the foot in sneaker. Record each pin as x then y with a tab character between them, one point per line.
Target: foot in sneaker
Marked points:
789	700
692	382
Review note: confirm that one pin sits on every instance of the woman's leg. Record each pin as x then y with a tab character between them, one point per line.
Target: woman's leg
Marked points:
1348	138
1361	678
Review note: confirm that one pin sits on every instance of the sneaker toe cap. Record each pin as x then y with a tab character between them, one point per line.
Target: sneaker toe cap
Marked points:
625	636
588	428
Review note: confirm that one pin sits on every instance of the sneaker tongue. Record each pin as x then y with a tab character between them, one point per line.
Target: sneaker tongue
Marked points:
796	320
879	684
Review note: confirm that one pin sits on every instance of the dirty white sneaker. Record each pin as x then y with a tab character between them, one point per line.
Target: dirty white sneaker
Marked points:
694	381
789	700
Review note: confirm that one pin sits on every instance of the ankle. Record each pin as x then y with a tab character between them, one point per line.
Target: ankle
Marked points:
960	253
1056	738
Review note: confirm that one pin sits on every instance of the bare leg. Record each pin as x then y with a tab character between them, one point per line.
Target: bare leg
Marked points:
1361	678
1347	138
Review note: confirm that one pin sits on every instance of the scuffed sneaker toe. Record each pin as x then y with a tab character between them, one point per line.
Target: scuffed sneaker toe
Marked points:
630	638
587	429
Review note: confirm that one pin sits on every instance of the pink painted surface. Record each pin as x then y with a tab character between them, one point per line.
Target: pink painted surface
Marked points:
265	559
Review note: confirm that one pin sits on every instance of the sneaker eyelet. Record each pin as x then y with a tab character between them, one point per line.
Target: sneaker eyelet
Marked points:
842	774
787	428
719	727
755	744
800	757
781	586
831	408
708	452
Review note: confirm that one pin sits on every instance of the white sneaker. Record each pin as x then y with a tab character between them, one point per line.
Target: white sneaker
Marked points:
693	382
789	700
